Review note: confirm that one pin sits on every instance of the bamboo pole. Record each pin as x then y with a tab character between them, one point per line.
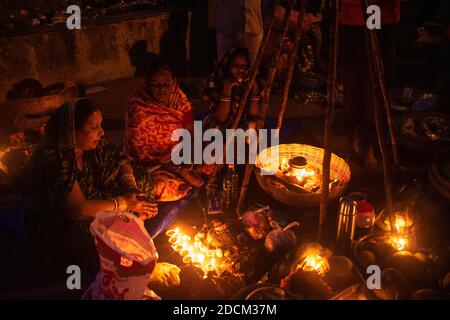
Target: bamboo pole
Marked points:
381	79
252	75
329	119
265	107
292	63
380	132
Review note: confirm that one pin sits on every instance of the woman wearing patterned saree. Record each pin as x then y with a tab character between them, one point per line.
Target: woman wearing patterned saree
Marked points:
156	110
73	175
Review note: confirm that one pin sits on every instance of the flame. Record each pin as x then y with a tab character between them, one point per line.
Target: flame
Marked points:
194	251
284	164
314	262
402	223
303	173
398	242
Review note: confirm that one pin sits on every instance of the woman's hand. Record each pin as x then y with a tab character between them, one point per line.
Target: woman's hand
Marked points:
165	275
228	86
143	208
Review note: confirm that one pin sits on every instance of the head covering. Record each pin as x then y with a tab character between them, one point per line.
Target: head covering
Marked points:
60	128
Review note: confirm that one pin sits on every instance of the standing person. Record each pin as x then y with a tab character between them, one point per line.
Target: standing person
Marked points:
358	99
238	24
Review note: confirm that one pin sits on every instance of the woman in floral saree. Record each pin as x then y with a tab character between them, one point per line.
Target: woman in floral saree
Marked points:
156	110
73	174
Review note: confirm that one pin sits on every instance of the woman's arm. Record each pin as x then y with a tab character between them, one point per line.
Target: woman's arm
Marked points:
255	101
79	208
223	109
126	178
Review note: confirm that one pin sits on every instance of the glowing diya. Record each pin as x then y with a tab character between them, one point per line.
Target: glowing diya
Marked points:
193	251
315	262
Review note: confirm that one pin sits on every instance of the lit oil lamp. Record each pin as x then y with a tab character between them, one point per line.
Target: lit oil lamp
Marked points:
299	168
315	262
402	235
194	252
399	242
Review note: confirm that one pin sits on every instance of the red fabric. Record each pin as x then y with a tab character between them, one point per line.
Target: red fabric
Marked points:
351	12
364	207
149	125
188	118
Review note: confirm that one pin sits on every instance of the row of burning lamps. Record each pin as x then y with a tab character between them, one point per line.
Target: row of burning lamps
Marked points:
195	252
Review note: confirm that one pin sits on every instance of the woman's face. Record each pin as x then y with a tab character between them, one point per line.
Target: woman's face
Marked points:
238	68
161	87
91	133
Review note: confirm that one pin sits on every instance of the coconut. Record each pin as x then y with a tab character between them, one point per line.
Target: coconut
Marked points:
427	294
408	265
366	258
387	293
309	284
393	278
445	283
341	266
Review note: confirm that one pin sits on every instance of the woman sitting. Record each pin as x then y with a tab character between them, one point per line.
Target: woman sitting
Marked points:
226	89
74	174
158	108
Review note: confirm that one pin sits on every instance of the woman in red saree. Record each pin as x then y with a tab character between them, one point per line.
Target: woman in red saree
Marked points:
157	108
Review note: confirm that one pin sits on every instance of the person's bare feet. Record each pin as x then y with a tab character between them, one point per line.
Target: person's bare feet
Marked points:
190	178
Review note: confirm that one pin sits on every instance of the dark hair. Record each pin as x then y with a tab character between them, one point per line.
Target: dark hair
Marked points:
158	66
239	51
57	125
83	109
236	52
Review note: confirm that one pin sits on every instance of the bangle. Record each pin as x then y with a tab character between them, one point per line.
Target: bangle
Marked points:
225	98
122	204
256	98
115	203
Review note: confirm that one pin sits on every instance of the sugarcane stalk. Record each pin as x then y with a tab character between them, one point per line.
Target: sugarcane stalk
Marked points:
265	107
292	64
381	79
329	119
375	85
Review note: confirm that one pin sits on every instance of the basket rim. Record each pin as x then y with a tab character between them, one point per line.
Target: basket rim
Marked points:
300	145
67	86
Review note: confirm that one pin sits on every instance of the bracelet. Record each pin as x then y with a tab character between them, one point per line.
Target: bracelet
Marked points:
122	204
224	98
115	203
255	98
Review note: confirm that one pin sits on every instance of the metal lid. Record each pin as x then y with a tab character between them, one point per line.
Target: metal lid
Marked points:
298	162
347	206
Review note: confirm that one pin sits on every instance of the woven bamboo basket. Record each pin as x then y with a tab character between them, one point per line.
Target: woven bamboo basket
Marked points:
269	159
45	104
